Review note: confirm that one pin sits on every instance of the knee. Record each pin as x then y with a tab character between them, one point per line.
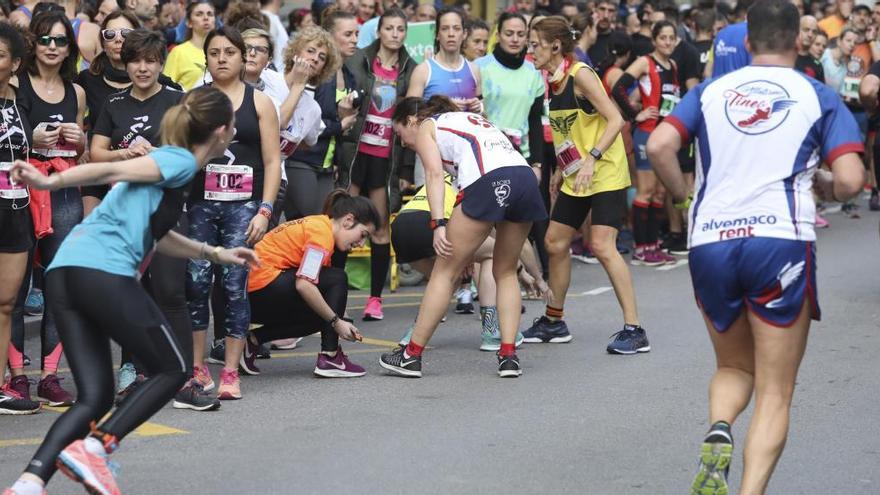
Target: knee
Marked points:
603	248
556	244
7	304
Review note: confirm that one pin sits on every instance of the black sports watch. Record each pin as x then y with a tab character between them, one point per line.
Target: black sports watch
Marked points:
438	223
595	153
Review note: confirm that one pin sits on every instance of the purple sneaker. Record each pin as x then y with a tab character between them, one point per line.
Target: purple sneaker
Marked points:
647	257
249	356
49	390
337	367
21	385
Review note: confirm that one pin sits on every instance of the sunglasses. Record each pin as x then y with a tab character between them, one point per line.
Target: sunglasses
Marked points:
256	48
111	34
47	40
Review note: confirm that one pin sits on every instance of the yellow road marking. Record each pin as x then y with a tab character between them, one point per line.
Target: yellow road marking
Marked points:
144	430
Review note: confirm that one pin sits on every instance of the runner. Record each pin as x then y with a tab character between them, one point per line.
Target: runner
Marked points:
497	189
657	75
476	41
186	62
591	174
16	230
296	291
99	263
370	151
223	205
54	106
762	132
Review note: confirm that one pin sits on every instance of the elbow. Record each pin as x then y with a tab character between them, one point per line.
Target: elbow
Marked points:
616	122
848	186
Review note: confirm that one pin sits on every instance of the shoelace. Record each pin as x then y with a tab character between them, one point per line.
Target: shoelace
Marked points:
623	334
54	384
228	378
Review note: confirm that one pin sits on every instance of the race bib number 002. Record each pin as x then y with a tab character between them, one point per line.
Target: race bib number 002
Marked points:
228	182
10	189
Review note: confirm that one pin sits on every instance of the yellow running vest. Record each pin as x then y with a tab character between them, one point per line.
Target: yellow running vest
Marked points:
577	127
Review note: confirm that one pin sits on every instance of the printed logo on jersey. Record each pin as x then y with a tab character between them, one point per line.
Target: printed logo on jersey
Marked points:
737	227
137	129
757	107
57	117
563	125
10	127
722	49
502	192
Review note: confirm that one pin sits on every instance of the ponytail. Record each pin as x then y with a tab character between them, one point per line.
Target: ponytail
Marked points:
415	106
340	203
192	121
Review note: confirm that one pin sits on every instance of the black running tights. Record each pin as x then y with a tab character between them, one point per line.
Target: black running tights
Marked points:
91	308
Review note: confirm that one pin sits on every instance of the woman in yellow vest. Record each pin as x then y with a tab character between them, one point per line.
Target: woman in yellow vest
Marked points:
591	175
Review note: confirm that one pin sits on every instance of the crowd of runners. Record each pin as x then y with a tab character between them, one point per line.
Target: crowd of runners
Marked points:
167	169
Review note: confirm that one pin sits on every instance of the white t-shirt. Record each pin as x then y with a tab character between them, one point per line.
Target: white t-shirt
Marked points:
279	37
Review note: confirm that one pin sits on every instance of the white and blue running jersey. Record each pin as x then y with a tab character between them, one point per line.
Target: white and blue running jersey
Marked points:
761	132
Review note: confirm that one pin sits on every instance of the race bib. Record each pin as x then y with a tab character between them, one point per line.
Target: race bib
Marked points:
514	135
668	103
61	150
228	182
10	189
376	131
850	88
288	143
568	158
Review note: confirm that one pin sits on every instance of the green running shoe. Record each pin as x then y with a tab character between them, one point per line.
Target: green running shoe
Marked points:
715	454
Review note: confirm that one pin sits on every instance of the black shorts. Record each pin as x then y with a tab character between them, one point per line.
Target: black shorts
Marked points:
608	208
369	172
412	237
687	158
16	230
507	193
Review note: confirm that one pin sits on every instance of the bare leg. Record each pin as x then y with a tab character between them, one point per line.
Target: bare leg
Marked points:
509	240
731	387
558	240
603	241
12	270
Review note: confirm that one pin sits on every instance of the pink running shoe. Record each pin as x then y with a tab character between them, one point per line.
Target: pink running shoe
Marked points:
667	258
821	223
646	257
202	376
338	366
373	311
85	461
230	385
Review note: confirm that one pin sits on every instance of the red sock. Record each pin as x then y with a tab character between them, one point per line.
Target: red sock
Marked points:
507	350
413	349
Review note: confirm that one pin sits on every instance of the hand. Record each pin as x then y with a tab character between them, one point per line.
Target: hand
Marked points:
346	107
46	139
442	246
237	256
348	122
555	182
648	114
475	105
256	229
547	292
137	149
347	331
25	172
585	175
299	73
824	184
72	133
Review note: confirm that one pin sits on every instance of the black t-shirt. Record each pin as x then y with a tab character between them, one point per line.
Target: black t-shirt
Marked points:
641	45
97	91
687	59
15	134
599	50
811	67
39	111
124	117
703	47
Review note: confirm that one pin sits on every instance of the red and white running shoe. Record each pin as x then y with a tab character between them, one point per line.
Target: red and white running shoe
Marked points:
85	461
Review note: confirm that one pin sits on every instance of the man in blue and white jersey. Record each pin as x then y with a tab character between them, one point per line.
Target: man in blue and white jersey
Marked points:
761	133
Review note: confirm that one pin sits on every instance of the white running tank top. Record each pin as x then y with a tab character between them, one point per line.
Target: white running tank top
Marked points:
471	147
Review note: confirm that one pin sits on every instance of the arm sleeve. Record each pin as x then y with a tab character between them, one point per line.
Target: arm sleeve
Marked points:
688	114
620	93
536	130
177	166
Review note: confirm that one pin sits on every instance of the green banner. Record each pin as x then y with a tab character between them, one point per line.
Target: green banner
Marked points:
419	40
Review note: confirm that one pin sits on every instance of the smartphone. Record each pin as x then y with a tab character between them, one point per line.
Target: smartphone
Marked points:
52	127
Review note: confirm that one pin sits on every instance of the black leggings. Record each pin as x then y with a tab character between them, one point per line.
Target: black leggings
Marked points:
284	314
93	307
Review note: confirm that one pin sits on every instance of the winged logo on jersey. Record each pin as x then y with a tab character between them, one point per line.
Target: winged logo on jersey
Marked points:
563	125
762	114
772	297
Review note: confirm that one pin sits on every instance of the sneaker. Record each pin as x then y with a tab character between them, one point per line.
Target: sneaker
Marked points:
646	257
87	464
622	248
821	223
398	362
850	209
230	385
677	244
874	202
337	366
12	491
202	376
13	403
21	385
26	360
508	366
373	311
465	304
193	396
631	340
49	390
125	376
715	455
285	344
247	361
263	352
545	331
218	352
34	303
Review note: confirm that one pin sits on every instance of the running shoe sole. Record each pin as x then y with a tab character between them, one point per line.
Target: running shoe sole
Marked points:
497	347
554	340
183	405
628	353
510	373
285	347
228	396
714	460
63	403
80	474
646	263
337	373
373	318
401	371
465	311
13	412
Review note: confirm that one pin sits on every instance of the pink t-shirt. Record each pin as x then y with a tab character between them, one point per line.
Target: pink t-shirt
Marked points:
377	134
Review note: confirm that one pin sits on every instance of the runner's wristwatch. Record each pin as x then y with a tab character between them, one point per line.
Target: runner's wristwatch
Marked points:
441	222
595	153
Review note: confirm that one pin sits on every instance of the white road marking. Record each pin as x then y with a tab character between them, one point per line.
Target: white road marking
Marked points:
596	292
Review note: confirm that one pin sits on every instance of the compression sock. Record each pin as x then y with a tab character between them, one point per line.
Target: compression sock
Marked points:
413	349
640	223
507	350
380	261
50	361
16	358
553	314
653	230
489	319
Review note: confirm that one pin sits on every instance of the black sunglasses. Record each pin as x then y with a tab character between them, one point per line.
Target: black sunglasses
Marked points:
47	40
110	34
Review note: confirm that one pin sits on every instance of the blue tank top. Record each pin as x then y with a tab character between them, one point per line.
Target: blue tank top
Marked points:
459	83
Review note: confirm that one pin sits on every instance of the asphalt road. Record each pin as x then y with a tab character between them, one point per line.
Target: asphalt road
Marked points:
579	421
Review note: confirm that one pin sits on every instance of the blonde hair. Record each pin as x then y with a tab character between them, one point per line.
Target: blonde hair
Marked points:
192	121
324	40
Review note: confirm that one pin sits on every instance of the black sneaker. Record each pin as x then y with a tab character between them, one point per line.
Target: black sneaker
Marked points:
263	352
218	352
508	366
715	455
13	403
631	340
545	331
248	359
874	203
398	362
193	396
676	244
